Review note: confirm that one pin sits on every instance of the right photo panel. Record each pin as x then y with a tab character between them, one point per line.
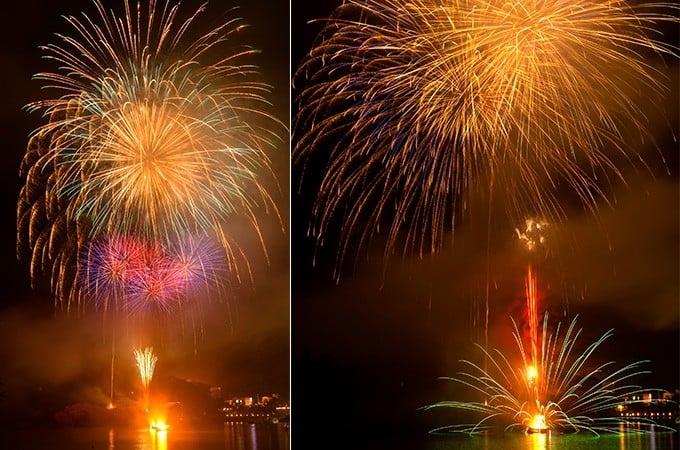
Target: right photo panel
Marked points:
484	224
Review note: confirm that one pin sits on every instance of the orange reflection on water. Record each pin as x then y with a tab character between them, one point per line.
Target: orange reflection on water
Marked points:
250	436
159	439
539	441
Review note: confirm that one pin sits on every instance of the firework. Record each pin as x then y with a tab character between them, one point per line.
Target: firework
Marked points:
532	309
146	364
107	265
129	275
146	137
199	263
420	107
158	286
564	391
533	234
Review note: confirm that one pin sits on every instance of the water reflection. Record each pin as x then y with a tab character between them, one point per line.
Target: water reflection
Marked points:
630	440
251	436
539	441
159	440
232	436
112	439
267	436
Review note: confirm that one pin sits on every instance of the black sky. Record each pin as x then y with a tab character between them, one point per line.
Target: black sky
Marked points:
368	351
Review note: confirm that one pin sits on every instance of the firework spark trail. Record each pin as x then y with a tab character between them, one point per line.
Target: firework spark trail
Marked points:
532	310
419	105
573	396
200	263
146	138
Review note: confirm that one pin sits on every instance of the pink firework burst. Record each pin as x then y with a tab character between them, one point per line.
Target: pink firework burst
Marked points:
106	266
126	273
158	286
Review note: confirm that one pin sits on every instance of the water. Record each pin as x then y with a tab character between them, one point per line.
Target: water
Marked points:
240	436
656	441
521	441
233	436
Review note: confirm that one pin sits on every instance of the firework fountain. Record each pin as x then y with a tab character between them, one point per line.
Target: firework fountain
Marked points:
146	364
549	382
534	239
564	393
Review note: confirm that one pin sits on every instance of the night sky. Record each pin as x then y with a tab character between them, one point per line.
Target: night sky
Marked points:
243	344
367	351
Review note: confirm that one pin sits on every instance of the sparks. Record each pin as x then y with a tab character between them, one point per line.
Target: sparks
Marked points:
145	138
417	108
575	395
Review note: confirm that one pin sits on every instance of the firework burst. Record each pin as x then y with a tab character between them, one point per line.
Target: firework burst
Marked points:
420	105
106	266
152	134
563	390
138	278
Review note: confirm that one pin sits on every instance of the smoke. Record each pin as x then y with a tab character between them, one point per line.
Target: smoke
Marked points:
43	348
628	262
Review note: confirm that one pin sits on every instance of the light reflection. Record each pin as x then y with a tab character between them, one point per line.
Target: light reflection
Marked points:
652	439
255	436
539	441
112	439
161	440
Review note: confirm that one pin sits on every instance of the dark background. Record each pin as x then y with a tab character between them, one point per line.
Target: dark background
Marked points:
242	346
367	351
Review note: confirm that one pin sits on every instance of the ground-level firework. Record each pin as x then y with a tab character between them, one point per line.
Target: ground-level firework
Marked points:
146	364
565	389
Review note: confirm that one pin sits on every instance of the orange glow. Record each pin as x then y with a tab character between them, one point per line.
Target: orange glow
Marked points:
110	406
532	374
159	435
538	424
158	425
539	441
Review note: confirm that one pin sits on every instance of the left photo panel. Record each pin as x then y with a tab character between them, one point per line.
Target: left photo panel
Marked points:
145	244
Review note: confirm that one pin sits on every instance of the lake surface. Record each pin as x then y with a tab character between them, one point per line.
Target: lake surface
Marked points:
656	441
233	436
240	436
521	441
